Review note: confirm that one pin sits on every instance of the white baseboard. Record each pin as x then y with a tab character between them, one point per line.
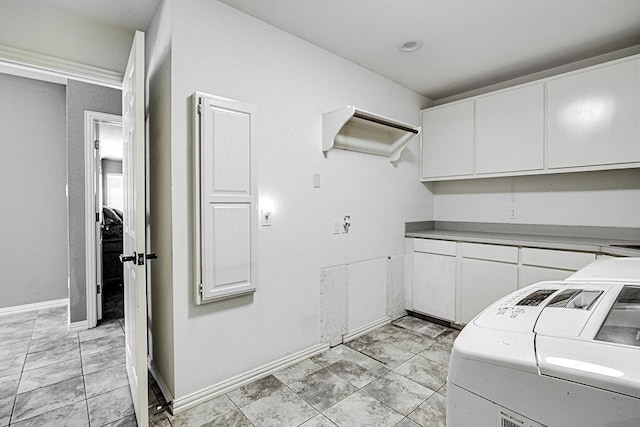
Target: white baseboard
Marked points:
78	326
194	399
35	306
352	335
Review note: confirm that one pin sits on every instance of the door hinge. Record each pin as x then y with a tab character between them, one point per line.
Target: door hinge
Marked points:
201	289
96	144
97	217
200	108
99	289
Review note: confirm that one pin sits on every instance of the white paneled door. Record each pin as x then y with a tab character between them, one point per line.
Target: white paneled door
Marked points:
134	228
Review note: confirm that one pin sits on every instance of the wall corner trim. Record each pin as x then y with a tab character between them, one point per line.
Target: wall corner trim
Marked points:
182	404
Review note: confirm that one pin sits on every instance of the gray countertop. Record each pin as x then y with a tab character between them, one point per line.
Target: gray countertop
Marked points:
530	236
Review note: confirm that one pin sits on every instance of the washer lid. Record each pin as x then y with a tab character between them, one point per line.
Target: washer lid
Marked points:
594	363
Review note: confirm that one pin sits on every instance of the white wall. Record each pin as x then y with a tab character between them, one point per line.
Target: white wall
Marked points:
607	199
218	50
33	223
159	226
35	27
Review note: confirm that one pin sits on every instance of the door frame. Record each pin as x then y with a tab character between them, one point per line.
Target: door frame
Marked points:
91	118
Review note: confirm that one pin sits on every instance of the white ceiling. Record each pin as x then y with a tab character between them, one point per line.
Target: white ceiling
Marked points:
468	44
128	14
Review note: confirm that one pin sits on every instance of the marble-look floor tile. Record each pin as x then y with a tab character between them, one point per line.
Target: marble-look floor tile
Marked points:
322	389
59	312
70	415
50	374
328	357
160	419
12	348
398	392
12	365
58	354
47	342
361	410
424	327
49	398
433	412
424	371
15	332
110	327
387	353
106	380
9	385
443	390
406	422
318	421
410	341
255	390
106	359
129	421
111	406
449	337
8	318
352	372
232	419
439	352
376	367
203	413
101	344
297	371
376	335
281	408
6	406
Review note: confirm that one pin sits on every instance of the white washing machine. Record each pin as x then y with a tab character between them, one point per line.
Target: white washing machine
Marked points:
563	353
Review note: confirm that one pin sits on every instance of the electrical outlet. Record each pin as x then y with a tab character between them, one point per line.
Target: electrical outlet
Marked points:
513	213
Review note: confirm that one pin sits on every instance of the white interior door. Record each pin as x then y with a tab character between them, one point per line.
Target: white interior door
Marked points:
134	228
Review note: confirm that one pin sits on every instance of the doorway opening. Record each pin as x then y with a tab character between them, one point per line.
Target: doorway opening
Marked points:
104	207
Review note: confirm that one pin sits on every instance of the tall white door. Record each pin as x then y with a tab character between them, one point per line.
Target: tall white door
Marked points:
134	228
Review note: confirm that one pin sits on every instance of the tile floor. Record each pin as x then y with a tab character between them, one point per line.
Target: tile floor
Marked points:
49	376
393	376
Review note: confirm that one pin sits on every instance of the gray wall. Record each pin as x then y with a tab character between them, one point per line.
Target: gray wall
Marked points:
33	222
81	97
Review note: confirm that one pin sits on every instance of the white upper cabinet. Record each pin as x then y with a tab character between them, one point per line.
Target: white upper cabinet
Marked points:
510	130
594	117
447	140
579	121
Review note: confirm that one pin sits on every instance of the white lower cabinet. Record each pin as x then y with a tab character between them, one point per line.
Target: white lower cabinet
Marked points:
539	265
455	281
489	272
434	280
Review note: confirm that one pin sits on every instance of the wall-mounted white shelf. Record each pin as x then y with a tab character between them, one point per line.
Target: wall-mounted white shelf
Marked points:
350	128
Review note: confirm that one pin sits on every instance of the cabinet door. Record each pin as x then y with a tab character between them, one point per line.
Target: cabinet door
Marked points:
530	275
447	140
484	282
510	130
434	285
593	117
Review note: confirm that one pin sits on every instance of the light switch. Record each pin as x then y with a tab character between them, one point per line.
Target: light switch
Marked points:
266	218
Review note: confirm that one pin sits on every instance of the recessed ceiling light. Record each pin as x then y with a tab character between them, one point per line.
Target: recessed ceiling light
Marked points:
411	45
